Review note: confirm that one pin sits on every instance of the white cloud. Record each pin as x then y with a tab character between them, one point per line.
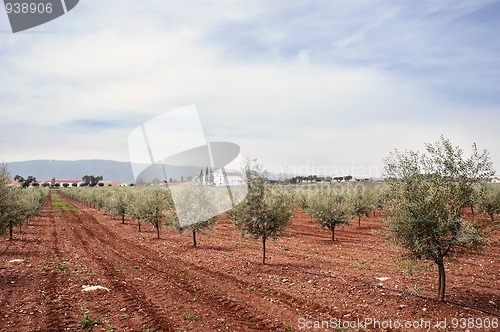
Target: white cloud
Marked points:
281	86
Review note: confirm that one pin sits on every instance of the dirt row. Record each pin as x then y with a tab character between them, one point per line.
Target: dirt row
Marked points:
167	285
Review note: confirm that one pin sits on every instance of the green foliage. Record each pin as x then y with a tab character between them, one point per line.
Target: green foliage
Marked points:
329	208
197	206
266	211
118	202
360	203
428	193
191	317
17	205
88	323
153	206
25	182
489	202
92	180
60	204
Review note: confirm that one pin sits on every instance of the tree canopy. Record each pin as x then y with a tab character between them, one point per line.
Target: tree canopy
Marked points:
265	212
92	180
428	193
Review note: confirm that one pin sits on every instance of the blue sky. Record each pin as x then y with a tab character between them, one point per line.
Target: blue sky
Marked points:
303	86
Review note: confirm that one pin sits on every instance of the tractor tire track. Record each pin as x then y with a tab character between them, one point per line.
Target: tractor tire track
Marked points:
209	277
184	282
120	281
181	281
55	303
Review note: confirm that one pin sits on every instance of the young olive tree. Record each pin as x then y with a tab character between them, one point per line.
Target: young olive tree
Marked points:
360	202
153	206
266	210
428	193
17	205
9	199
330	209
197	206
118	202
489	202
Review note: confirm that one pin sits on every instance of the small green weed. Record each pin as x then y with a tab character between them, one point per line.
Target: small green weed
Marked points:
62	266
88	323
60	204
191	317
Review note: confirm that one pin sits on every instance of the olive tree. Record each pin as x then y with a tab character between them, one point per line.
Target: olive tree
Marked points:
16	204
153	206
329	208
361	203
118	203
428	193
489	202
5	199
266	210
197	206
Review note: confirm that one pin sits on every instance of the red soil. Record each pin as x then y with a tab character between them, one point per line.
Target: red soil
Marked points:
221	285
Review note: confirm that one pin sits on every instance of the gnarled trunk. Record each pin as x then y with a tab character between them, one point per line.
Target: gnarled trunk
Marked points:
441	279
11	226
264	238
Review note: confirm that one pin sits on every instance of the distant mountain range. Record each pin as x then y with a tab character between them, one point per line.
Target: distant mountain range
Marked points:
110	170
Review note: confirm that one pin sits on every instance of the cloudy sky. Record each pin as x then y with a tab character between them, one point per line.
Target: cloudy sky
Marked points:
303	86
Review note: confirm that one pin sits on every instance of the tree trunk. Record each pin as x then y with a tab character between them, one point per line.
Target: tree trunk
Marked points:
472	211
157	226
11	225
123	218
441	280
194	238
333	233
264	238
359	221
139	223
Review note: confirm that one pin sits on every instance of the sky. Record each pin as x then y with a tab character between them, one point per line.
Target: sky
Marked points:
305	87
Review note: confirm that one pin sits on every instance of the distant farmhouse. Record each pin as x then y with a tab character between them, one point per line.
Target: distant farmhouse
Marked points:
228	179
219	178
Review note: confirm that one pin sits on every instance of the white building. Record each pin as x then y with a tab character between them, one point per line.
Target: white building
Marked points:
233	178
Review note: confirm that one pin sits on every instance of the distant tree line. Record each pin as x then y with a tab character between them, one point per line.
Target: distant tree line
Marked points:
315	178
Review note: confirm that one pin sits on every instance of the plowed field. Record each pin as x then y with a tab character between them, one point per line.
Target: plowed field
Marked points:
357	282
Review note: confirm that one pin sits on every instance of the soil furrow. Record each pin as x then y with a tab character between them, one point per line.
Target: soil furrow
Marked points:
185	285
